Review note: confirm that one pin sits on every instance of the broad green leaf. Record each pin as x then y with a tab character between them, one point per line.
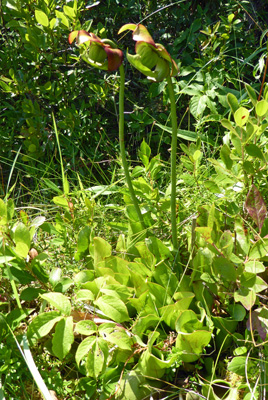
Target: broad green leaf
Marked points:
85	294
191	345
96	358
225	156
226	243
205	232
113	307
59	301
241	236
61	201
159	295
254	267
83	240
254	151
228	125
41	18
158	249
69	11
144	323
239	365
198	105
63	338
6	259
188	322
120	338
241	116
259	249
261	108
117	290
101	249
170	313
42	325
252	94
83	348
134	387
38	221
62	18
145	152
86	327
237	312
232	101
164	276
22	239
152	366
246	297
54	276
253	282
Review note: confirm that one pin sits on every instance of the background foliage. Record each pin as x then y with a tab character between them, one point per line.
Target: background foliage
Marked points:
108	309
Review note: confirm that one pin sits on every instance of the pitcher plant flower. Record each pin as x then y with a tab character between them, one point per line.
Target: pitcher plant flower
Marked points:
151	59
99	53
104	54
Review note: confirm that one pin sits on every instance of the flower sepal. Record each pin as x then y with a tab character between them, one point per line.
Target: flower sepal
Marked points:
151	59
101	54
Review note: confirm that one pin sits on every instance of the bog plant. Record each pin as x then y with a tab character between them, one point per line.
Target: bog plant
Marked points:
126	313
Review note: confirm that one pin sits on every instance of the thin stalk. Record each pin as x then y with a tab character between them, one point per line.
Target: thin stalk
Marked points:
174	124
122	145
13	285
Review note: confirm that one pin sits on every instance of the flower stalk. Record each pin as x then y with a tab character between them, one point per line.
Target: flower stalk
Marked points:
103	54
122	145
153	60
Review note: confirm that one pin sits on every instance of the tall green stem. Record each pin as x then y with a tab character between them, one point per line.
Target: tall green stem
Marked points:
173	162
122	145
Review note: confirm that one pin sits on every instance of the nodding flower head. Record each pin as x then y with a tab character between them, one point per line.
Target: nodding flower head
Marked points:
151	59
99	53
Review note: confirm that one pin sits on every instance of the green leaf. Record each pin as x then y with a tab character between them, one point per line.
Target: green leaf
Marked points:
59	301
198	105
22	238
225	156
241	237
62	18
153	366
113	307
241	116
254	267
41	18
63	338
84	348
86	327
185	134
42	325
239	365
225	269
97	356
226	243
121	339
232	101
246	297
261	108
259	249
145	152
254	151
101	249
133	387
252	94
191	345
